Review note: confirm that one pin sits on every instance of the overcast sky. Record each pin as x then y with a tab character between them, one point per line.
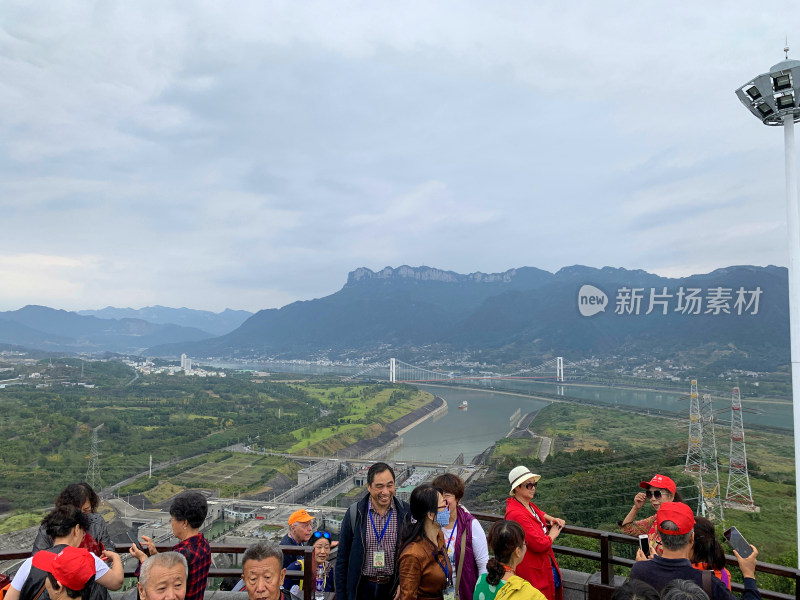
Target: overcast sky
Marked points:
249	154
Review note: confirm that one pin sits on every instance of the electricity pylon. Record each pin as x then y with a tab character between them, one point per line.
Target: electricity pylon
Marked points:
93	472
739	496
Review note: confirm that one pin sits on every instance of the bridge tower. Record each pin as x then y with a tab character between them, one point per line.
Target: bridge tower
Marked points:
739	496
93	472
710	505
694	459
392	370
560	369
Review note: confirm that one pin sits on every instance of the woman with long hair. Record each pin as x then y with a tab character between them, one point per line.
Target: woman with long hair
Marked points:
424	568
707	553
658	490
539	564
464	537
500	582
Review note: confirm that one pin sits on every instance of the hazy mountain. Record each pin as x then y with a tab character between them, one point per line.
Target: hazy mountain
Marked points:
520	313
43	328
215	323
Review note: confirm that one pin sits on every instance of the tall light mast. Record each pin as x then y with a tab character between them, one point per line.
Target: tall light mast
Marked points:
773	98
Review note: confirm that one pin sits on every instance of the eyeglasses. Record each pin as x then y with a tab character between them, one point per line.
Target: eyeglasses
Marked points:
322	534
653	494
531	486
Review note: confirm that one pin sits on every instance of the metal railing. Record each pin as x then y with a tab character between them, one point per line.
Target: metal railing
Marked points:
605	558
607	561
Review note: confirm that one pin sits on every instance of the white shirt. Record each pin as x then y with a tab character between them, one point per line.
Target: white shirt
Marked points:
100	567
480	548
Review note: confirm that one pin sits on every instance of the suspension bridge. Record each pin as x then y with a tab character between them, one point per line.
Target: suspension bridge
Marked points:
397	371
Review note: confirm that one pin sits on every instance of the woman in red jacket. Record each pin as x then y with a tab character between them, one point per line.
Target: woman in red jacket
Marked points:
539	565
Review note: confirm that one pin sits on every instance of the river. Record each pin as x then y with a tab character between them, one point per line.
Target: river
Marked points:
487	418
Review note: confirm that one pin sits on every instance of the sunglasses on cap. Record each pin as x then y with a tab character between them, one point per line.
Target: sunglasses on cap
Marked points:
322	534
653	494
530	485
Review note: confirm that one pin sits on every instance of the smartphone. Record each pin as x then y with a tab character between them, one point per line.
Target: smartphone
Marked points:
138	544
738	542
644	543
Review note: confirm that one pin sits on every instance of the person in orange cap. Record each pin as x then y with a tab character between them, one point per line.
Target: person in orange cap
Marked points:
658	490
300	528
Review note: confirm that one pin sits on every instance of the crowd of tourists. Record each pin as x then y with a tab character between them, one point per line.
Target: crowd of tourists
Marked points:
428	548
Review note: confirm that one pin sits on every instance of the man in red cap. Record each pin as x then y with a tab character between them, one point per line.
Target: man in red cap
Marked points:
68	572
675	523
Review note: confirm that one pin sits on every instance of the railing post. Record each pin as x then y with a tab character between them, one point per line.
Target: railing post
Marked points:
797	585
309	576
606	568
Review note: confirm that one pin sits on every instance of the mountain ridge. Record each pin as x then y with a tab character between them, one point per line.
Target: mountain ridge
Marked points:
517	314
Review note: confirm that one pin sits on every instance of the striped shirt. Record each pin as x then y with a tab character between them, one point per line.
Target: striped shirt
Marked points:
388	541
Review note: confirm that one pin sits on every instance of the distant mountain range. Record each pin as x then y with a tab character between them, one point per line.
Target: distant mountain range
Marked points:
43	328
214	323
738	314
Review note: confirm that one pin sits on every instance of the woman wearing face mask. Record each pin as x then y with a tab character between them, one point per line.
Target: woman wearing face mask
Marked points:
539	565
658	490
425	570
464	538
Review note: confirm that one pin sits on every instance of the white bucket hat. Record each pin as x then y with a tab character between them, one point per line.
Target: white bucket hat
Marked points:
520	475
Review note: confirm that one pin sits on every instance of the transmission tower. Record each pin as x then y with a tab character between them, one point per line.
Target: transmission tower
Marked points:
694	458
739	495
710	501
93	472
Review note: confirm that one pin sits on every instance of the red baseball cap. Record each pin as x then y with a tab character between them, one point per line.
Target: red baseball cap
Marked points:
72	567
660	481
677	512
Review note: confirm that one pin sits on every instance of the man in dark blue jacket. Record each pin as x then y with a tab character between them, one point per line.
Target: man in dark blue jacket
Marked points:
675	522
369	539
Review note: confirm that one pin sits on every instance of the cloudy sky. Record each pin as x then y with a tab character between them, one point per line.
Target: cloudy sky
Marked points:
249	154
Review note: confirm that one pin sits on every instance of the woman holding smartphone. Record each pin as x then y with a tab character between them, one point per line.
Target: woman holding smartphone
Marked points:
658	490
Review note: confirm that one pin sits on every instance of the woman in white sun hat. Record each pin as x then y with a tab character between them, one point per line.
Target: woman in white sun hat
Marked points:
539	565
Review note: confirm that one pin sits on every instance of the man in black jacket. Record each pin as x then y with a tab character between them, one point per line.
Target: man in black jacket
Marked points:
369	538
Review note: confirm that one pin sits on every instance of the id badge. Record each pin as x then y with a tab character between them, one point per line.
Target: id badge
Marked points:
450	592
379	559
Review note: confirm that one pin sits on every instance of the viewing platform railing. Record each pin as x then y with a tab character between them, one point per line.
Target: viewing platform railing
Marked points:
605	559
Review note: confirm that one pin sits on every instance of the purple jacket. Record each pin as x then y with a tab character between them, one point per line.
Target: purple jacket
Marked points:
469	570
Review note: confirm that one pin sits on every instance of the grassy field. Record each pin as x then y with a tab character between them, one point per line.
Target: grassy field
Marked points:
517	447
363	414
20	521
162	492
626	438
226	471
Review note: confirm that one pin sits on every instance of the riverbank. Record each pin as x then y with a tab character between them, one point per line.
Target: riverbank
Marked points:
390	439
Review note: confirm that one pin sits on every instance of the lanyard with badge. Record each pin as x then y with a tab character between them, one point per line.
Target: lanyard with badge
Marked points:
379	556
450	590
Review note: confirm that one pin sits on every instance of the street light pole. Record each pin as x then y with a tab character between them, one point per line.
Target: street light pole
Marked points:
773	98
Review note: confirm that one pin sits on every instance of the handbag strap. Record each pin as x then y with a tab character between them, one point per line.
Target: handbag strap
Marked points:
461	557
39	593
707	582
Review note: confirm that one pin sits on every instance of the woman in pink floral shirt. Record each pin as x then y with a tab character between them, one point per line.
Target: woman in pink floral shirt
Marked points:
658	490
